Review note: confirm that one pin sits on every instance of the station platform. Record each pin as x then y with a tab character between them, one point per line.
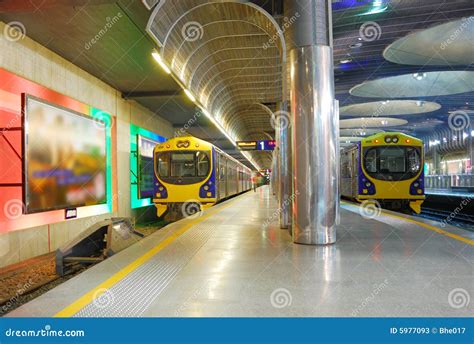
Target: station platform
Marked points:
228	262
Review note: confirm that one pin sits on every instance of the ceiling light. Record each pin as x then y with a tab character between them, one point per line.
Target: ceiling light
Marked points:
356	45
190	95
419	76
346	60
158	59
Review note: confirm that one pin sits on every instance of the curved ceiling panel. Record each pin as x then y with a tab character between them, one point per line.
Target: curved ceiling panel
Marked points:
442	45
230	56
389	108
427	84
371	122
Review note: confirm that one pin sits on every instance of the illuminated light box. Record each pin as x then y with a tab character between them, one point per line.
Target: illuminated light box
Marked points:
142	143
65	158
13	214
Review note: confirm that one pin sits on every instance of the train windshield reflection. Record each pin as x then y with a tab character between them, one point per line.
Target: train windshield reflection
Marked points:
182	165
392	163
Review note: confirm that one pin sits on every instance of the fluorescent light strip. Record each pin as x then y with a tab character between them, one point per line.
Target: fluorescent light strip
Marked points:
158	59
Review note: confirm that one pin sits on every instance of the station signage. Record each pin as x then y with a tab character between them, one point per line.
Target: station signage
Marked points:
263	145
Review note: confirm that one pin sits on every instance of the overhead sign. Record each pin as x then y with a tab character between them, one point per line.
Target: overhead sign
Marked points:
266	145
256	145
247	145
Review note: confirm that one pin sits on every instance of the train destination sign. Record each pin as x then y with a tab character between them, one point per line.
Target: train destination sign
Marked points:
256	145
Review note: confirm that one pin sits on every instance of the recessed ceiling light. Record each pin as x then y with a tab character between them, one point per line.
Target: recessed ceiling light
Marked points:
355	45
419	76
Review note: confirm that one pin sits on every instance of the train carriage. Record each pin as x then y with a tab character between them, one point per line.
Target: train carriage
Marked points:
193	172
386	167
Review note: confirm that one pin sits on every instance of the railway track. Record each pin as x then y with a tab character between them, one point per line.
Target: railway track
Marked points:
460	220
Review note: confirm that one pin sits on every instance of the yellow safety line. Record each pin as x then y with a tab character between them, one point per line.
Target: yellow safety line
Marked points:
87	298
425	225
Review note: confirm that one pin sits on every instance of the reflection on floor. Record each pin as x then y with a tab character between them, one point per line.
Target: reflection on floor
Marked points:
229	263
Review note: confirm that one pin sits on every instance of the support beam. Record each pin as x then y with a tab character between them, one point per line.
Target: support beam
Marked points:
315	123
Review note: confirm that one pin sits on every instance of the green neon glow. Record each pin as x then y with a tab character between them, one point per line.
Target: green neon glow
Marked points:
107	119
134	131
377	7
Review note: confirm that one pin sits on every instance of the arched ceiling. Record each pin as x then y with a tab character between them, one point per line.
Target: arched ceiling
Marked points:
228	54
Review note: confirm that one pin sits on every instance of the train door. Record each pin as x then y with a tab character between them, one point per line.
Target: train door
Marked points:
241	181
222	177
354	172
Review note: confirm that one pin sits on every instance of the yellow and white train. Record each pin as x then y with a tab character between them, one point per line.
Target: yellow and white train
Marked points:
386	167
192	174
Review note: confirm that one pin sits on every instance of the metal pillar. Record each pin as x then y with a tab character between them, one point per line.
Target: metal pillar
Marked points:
315	126
284	151
470	131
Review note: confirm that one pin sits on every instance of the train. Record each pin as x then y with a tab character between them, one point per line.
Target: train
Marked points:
387	167
192	174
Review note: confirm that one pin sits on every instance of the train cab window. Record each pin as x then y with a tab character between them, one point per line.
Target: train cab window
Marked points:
183	164
163	165
183	167
371	161
202	164
392	163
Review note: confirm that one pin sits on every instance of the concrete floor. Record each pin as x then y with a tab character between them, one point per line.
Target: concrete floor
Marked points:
227	263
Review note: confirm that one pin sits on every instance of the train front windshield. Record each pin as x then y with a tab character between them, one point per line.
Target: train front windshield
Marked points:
183	167
392	163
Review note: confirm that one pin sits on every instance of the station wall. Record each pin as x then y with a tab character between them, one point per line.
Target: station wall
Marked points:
34	62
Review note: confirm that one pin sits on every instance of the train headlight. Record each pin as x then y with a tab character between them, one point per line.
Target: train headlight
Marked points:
206	187
416	185
160	188
368	184
395	140
388	139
